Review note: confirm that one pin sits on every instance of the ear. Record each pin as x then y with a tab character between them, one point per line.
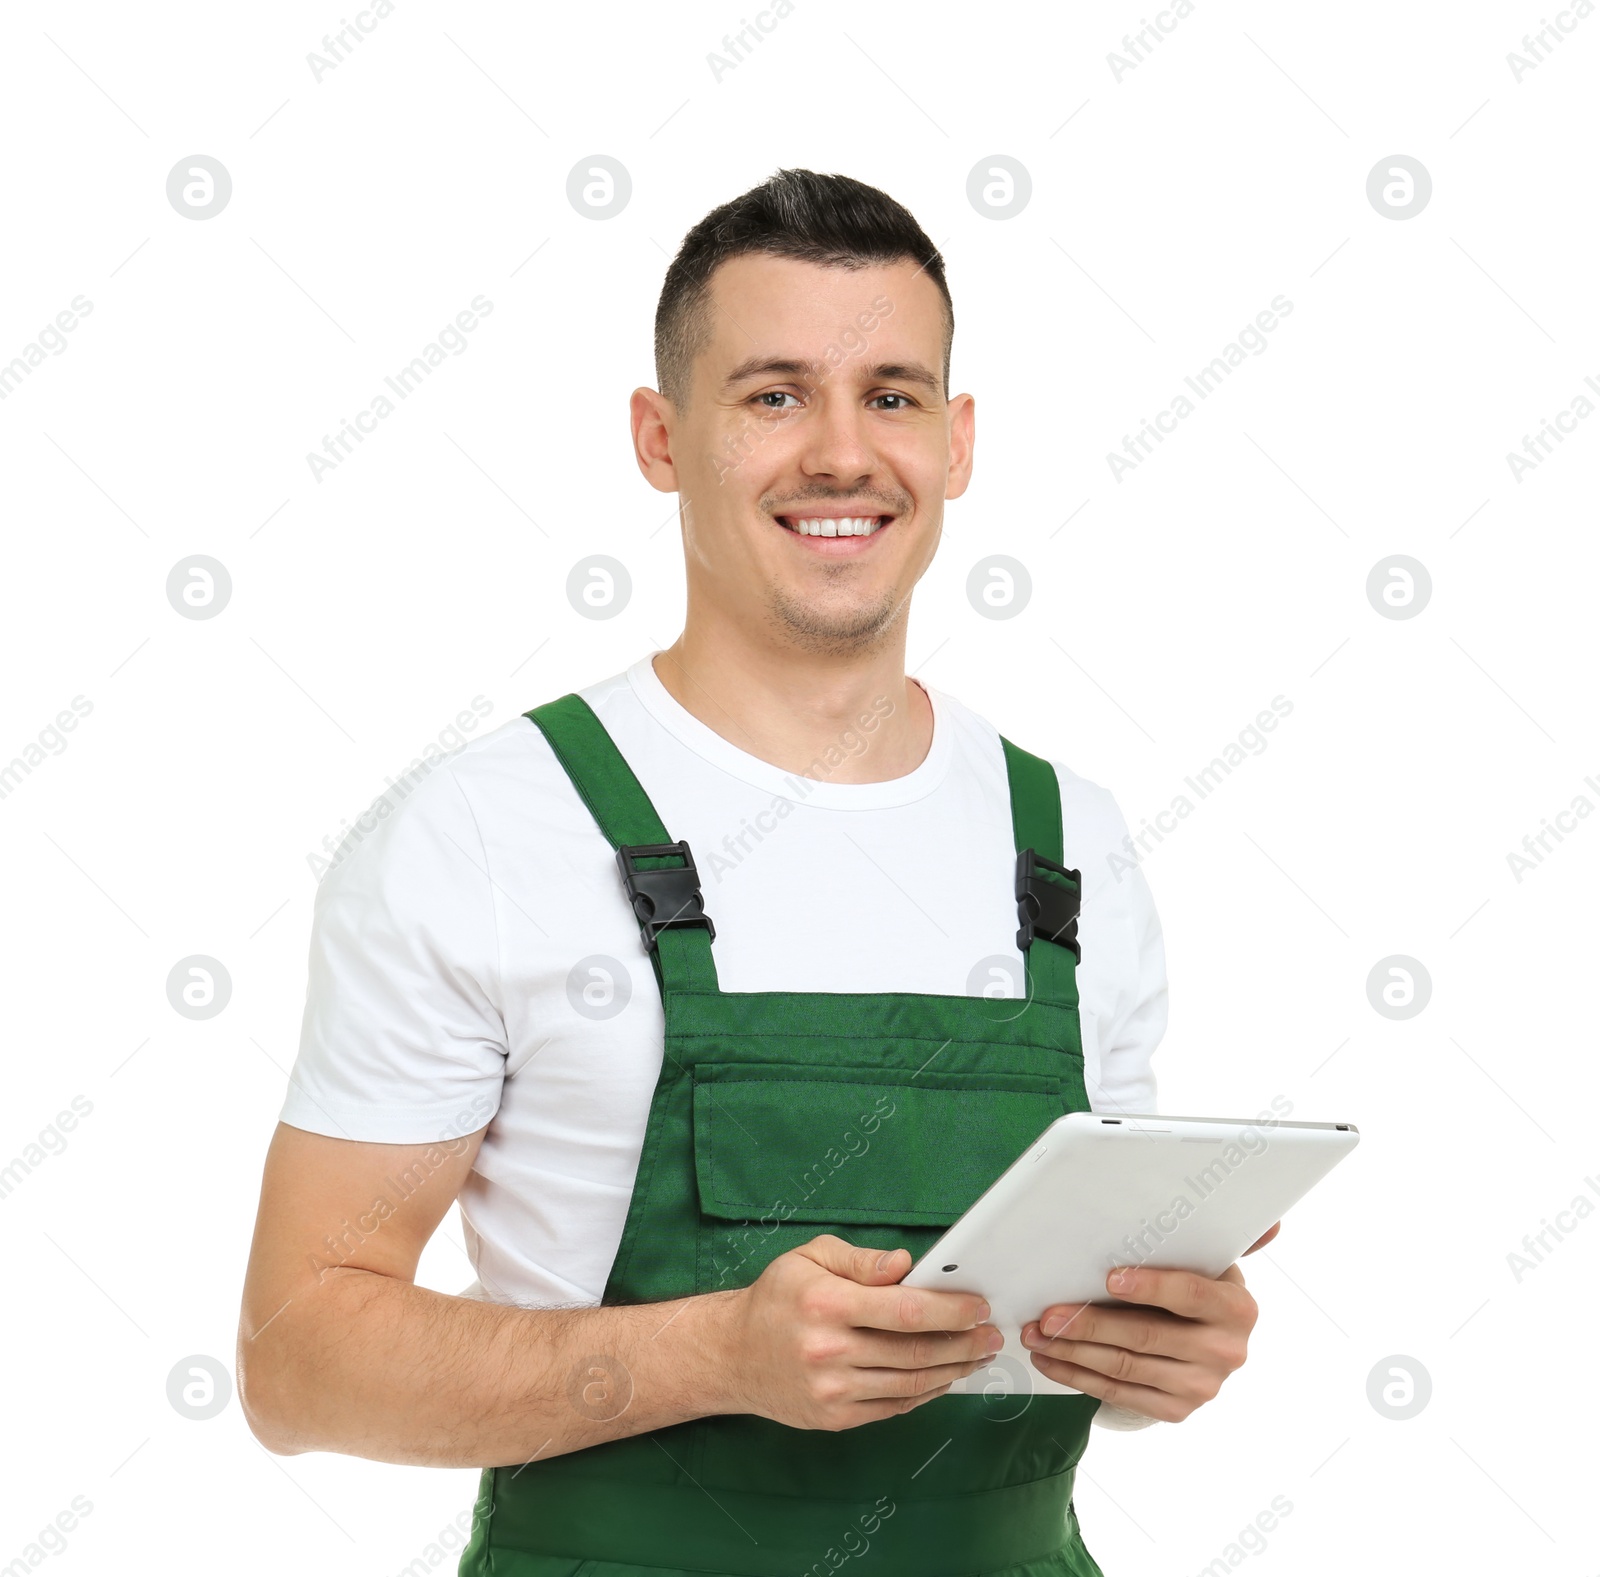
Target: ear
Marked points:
961	438
653	418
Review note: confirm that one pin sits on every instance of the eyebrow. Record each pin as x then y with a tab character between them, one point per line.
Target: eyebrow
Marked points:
875	372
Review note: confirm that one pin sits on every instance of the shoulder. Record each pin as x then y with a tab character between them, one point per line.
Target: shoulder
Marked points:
442	799
473	796
1092	812
1088	807
1094	830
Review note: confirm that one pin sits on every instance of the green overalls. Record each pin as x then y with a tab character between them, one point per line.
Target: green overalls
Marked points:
780	1115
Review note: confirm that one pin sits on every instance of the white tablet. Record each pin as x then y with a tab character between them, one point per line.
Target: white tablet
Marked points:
1094	1192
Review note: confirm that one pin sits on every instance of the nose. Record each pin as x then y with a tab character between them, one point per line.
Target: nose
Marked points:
837	442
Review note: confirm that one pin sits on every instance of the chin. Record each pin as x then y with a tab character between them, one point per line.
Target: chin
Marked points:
823	626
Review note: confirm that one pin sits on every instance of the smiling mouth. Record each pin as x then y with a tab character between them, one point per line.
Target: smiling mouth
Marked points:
832	526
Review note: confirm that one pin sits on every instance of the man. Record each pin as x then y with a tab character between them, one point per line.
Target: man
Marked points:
700	991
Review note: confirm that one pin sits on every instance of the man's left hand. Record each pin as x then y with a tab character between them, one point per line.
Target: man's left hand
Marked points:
1163	1356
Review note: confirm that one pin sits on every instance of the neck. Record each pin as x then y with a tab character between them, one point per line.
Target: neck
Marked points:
842	718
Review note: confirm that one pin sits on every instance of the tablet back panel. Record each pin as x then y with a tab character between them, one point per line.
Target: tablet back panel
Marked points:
1094	1192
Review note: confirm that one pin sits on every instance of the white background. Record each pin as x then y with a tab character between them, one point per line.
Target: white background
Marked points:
1167	209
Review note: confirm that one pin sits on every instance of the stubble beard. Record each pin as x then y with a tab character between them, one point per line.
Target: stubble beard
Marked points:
835	633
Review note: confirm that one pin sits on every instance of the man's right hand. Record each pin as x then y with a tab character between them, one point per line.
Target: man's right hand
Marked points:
825	1339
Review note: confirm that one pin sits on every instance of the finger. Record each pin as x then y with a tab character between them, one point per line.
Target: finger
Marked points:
1171	1375
868	1301
1150	1331
897	1384
871	1267
871	1412
1265	1238
909	1309
872	1349
1180	1292
1118	1393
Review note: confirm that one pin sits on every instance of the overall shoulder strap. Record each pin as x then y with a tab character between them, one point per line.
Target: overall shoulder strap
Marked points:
1035	802
681	949
1048	894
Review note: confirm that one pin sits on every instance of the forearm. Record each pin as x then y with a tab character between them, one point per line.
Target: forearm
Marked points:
374	1366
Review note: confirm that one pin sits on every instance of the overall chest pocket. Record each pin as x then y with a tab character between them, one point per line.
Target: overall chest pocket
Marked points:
857	1146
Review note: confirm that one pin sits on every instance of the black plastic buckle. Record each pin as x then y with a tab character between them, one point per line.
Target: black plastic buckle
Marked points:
1043	907
665	897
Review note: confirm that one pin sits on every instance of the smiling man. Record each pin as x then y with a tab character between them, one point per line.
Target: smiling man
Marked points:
714	993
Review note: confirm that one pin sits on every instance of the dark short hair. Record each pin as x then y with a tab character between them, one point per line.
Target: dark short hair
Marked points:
826	219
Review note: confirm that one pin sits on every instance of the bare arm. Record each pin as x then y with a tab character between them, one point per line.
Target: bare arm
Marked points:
340	1350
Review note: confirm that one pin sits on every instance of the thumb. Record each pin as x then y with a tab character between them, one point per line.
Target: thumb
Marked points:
870	1267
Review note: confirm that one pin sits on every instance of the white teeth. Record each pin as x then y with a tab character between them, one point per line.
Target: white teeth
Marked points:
862	527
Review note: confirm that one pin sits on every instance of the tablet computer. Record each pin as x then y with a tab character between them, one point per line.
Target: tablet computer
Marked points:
1095	1191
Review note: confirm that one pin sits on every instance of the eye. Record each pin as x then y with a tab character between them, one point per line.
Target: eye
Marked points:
905	401
776	394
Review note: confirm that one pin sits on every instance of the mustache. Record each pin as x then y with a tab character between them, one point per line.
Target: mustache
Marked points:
887	505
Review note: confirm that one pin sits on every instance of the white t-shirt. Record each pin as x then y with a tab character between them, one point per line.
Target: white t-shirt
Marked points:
473	955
